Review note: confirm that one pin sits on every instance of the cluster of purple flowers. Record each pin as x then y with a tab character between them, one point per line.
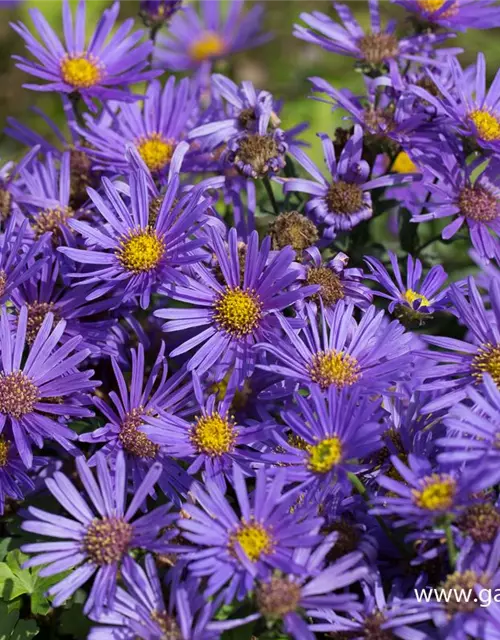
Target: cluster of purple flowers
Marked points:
223	405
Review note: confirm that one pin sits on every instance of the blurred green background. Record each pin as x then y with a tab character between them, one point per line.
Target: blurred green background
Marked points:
282	66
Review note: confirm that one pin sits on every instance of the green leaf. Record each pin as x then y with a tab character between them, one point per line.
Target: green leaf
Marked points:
10	586
4	547
24	630
73	623
8	620
15	559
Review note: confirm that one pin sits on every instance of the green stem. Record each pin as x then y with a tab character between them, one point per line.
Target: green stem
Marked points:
270	194
450	543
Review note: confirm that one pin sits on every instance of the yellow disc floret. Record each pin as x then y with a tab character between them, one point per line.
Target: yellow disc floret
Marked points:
213	434
437	492
334	368
325	455
487	124
208	45
254	539
431	6
411	296
81	71
141	250
404	164
238	311
487	360
155	151
4	451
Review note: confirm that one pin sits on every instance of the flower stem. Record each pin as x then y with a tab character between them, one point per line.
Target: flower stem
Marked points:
450	543
272	199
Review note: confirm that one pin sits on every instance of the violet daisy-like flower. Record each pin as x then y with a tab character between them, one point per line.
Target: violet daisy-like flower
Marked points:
136	251
38	391
156	13
232	545
127	412
153	129
140	611
211	441
468	192
97	69
341	352
474	429
257	155
460	363
469	108
96	539
342	200
14	481
415	299
196	39
374	49
426	494
9	187
18	262
336	281
458	15
232	314
327	432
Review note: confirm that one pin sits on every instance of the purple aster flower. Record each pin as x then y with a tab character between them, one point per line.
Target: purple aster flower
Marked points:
468	192
18	263
342	200
327	432
156	13
154	129
142	245
458	15
426	494
140	611
415	299
474	429
469	109
257	155
96	539
374	49
237	310
234	545
9	187
336	281
38	392
96	70
195	40
14	481
139	400
212	441
341	352
464	362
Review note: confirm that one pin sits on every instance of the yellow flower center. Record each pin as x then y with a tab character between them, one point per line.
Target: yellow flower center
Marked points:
18	394
430	6
404	164
51	221
81	71
107	540
411	296
437	493
213	434
487	360
4	451
155	151
208	45
487	124
334	367
238	311
141	250
254	539
325	455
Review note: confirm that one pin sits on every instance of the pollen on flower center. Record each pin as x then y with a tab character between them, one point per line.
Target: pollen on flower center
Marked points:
477	203
36	315
344	198
51	221
208	45
168	625
463	583
487	124
325	455
141	250
134	441
378	47
437	493
107	540
18	394
278	597
213	434
412	296
155	151
334	367
487	360
254	539
431	6
238	311
5	204
81	71
3	282
4	451
331	288
404	164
